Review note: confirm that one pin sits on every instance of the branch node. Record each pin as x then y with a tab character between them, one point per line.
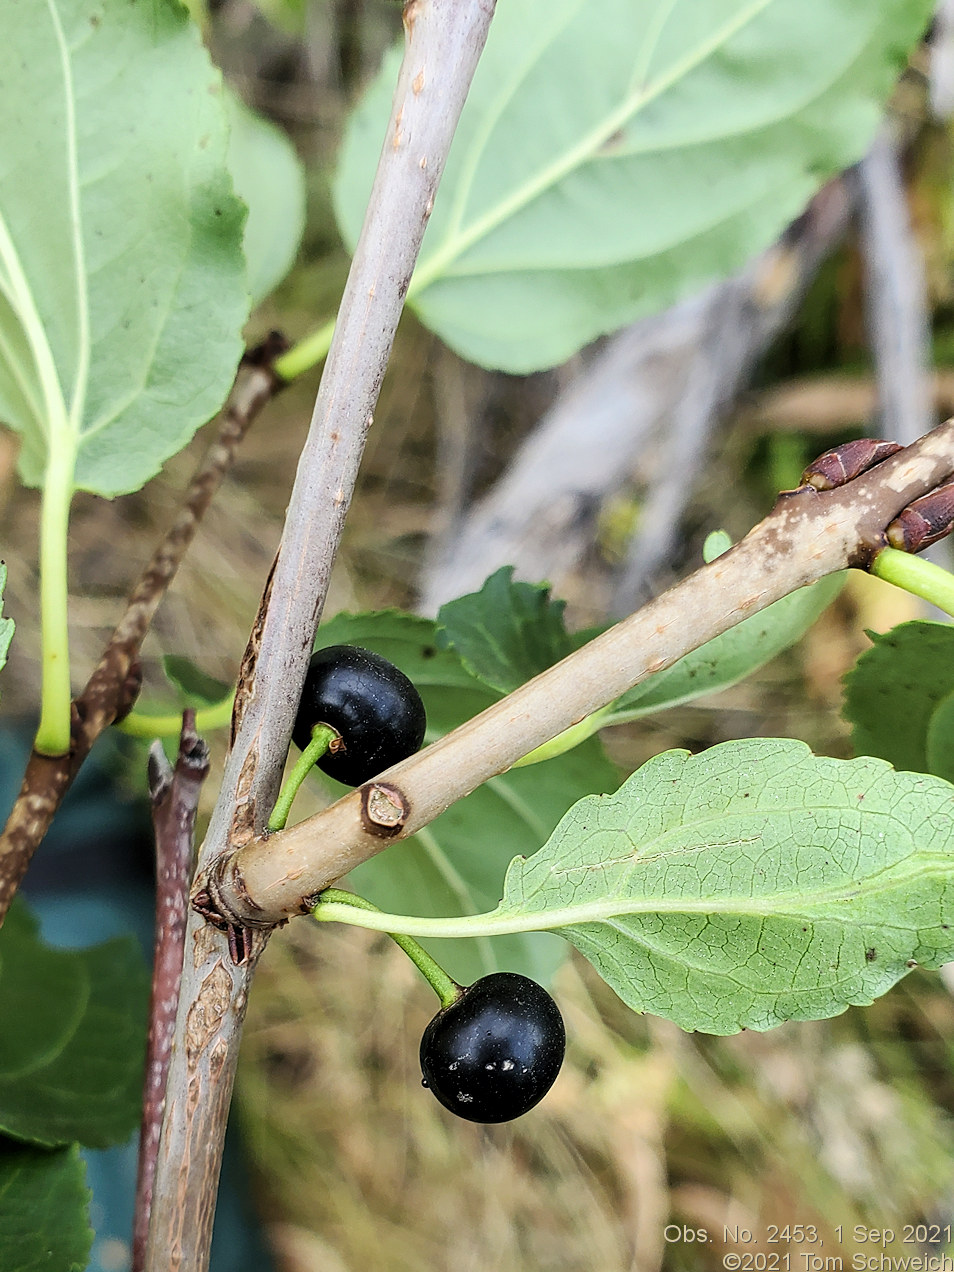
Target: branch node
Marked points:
846	462
923	522
384	809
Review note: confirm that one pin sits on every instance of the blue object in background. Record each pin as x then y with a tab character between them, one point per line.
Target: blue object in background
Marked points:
92	879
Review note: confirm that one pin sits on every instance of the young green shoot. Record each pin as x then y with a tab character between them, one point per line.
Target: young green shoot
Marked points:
304	355
53	733
916	575
139	724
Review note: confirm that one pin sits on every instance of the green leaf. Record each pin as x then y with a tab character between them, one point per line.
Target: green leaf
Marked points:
715	665
506	633
717	542
509	632
44	1209
6	624
752	884
411	643
122	282
270	180
195	687
616	155
893	691
731	657
940	740
287	15
457	863
72	1037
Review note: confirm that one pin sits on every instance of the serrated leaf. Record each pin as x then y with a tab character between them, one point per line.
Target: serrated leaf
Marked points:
751	884
457	863
270	180
616	155
72	1037
509	632
196	688
894	689
506	633
410	643
729	658
122	282
6	624
44	1209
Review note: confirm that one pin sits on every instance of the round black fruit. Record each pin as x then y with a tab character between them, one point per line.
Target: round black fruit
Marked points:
372	705
495	1052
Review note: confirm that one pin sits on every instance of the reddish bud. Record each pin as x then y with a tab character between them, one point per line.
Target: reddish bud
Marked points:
842	464
923	522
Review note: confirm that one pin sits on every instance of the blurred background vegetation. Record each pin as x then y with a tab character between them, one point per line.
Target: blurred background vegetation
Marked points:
832	1123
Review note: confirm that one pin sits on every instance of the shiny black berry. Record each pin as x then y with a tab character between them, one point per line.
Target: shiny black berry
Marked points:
372	705
495	1052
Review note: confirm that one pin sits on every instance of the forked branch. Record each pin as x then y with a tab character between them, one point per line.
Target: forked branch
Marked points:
807	535
444	39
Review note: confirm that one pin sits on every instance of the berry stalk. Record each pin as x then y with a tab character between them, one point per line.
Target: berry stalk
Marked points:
446	989
322	736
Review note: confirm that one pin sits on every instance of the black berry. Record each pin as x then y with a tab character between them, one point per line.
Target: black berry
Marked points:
372	705
495	1052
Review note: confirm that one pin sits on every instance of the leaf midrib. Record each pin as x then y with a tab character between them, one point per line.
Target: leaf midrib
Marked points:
436	266
81	375
507	919
60	422
788	905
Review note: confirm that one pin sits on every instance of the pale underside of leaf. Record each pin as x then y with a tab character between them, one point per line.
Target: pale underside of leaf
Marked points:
718	915
121	277
752	884
615	155
270	180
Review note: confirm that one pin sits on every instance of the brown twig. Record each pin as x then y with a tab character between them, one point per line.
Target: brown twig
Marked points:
444	39
114	684
807	535
175	800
